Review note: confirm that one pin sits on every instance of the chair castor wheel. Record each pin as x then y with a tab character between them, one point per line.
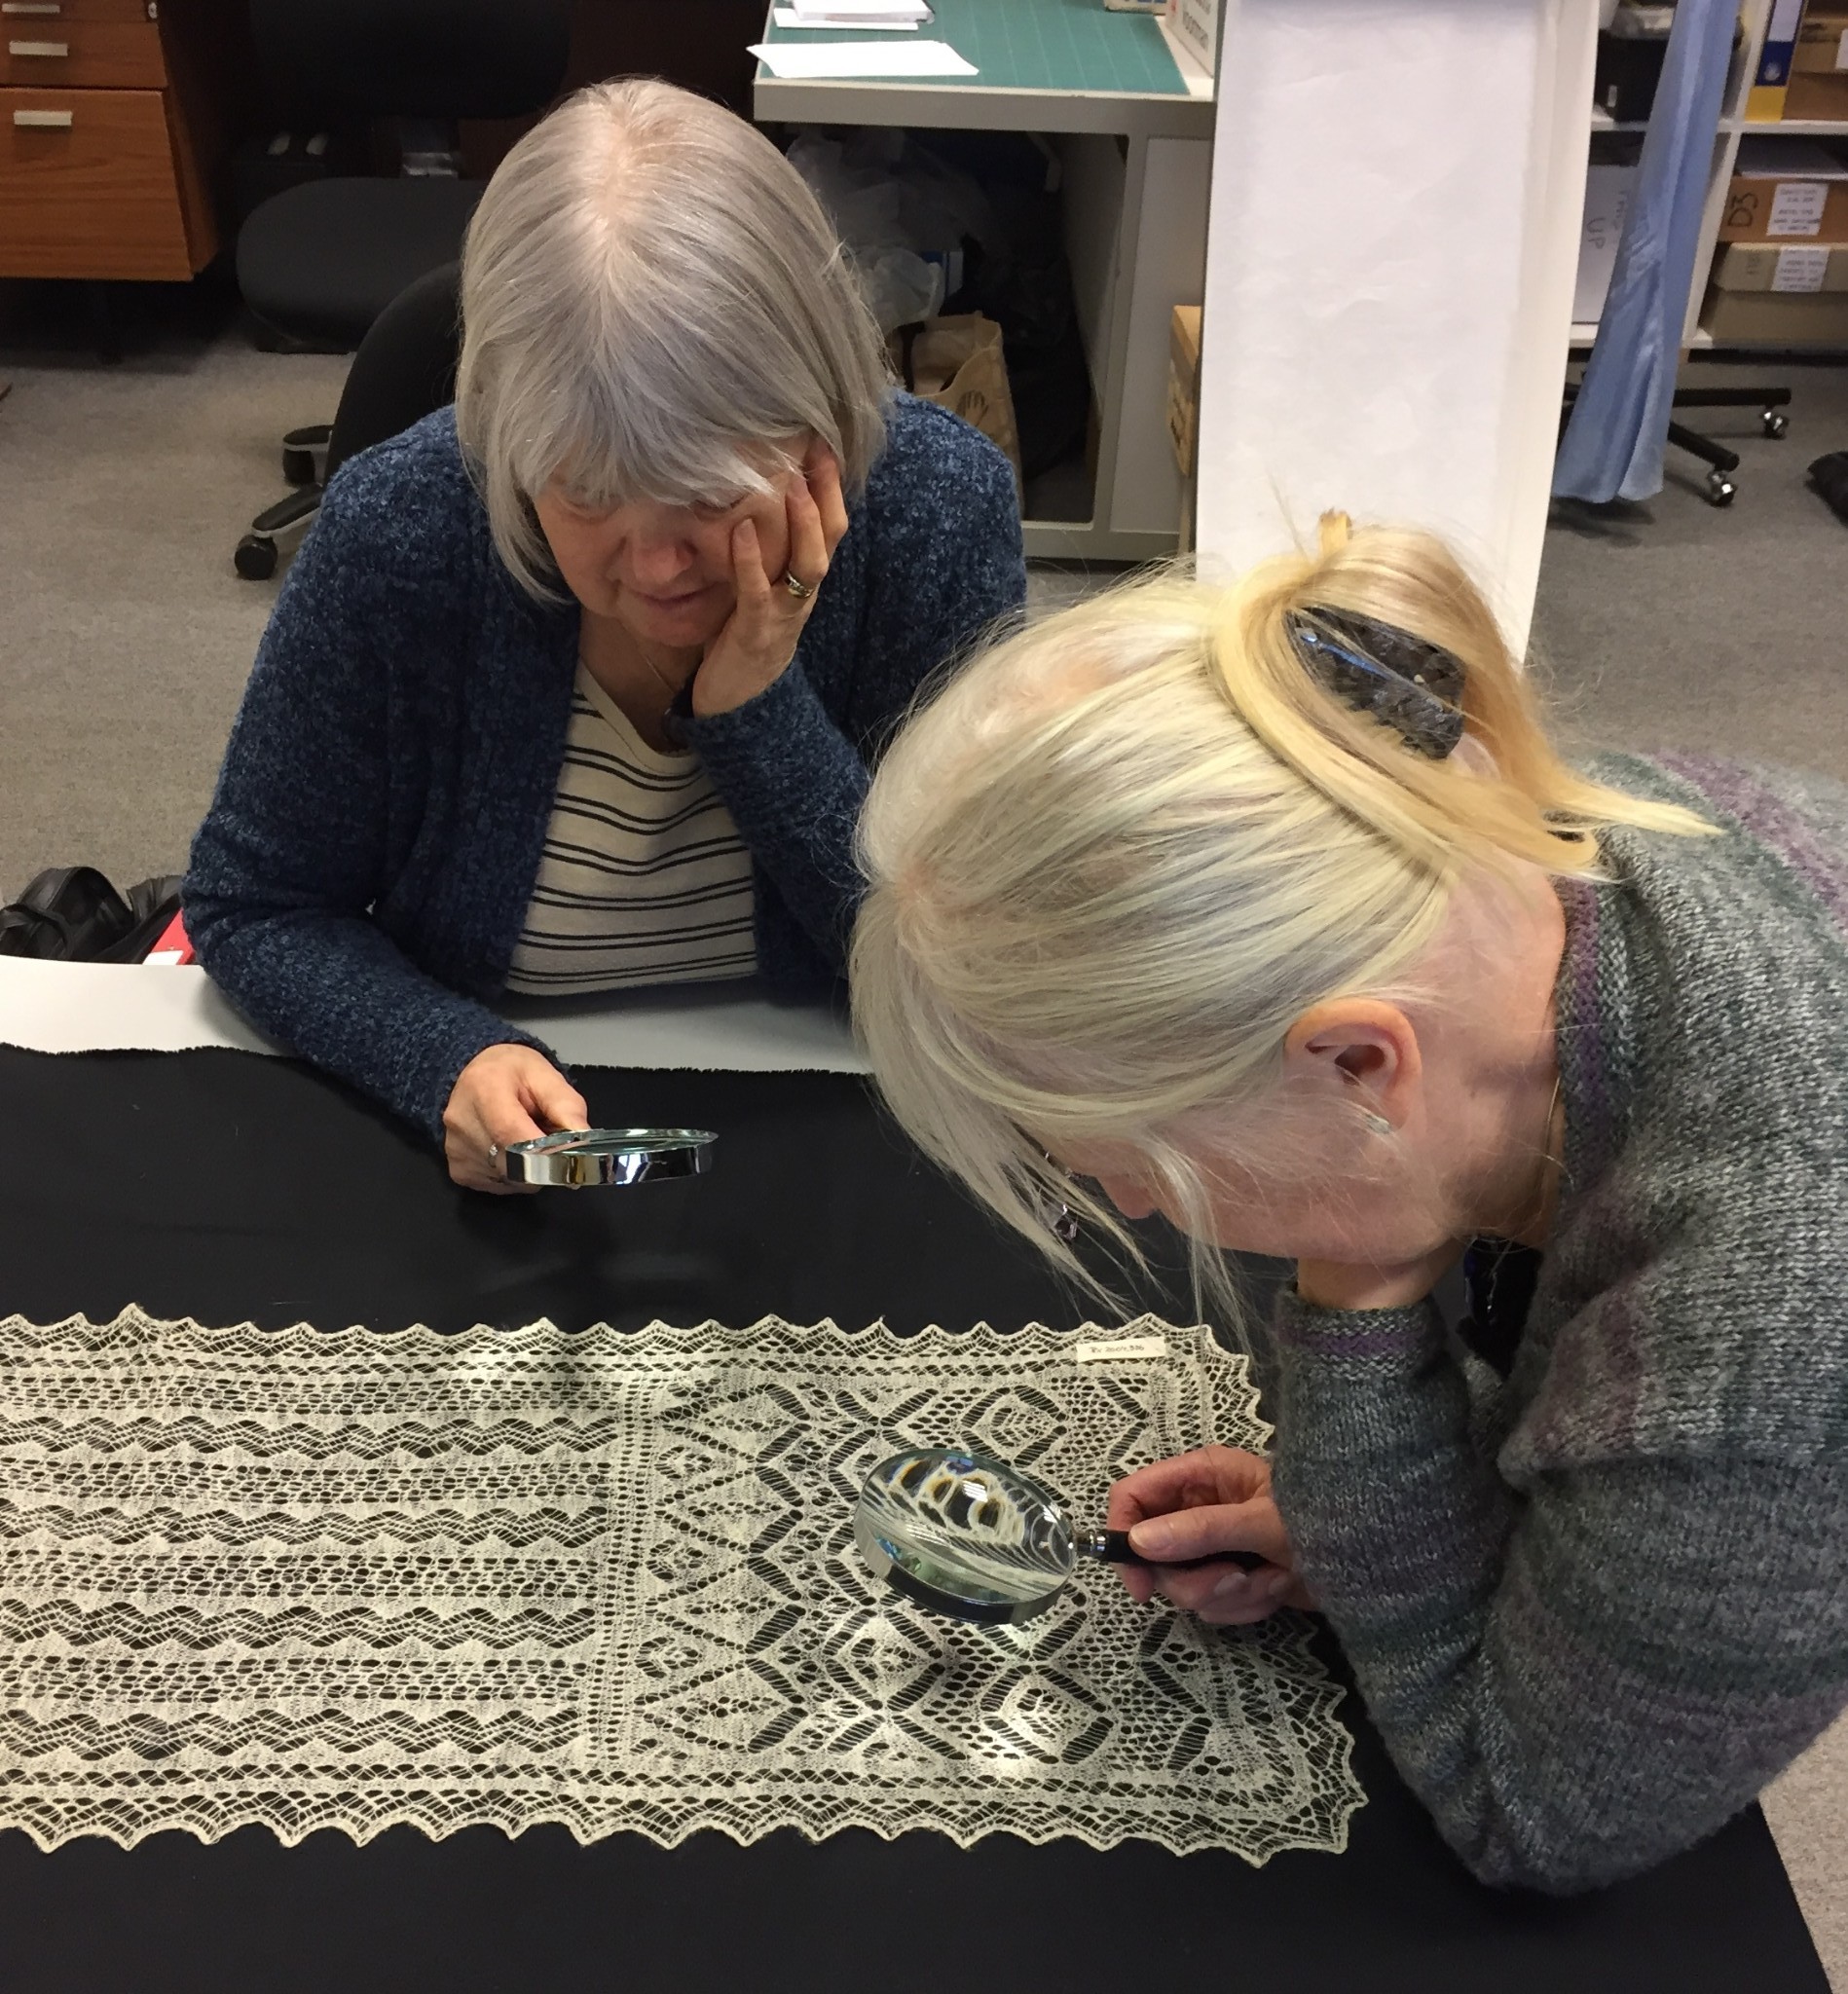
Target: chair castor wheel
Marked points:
298	465
255	558
1721	488
1775	422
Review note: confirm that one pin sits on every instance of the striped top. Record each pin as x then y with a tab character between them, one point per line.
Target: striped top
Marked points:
644	877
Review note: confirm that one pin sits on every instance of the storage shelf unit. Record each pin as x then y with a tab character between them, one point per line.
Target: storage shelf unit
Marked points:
1733	127
1585	331
1133	132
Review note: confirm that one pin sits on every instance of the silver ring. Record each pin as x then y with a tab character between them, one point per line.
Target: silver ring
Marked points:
801	590
493	1149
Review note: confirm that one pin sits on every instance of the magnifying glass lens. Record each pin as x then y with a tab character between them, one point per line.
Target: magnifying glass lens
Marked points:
965	1535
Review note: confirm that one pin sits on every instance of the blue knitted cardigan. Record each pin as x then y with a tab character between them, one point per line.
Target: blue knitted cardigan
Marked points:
358	885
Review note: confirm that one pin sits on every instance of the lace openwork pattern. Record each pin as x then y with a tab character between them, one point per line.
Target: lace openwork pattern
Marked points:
348	1580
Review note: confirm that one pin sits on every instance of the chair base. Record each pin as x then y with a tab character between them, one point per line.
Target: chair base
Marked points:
1722	462
305	453
257	555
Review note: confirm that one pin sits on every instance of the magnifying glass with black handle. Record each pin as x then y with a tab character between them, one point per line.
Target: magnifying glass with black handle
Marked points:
981	1541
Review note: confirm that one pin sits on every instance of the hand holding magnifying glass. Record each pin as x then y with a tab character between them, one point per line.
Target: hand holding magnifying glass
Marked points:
982	1541
1179	1513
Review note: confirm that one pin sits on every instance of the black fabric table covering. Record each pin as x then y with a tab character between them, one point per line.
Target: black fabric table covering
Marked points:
231	1188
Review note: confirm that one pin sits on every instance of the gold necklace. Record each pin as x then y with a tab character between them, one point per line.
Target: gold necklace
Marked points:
672	690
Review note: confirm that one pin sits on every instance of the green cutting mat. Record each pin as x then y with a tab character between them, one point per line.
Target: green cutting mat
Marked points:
1065	45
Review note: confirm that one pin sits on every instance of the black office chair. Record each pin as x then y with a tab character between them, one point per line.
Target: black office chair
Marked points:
322	261
405	367
404	370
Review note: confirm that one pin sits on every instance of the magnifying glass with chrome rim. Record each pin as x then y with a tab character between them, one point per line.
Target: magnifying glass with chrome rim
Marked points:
982	1541
576	1158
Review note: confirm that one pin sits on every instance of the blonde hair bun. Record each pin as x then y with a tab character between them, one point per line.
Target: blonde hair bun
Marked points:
1126	848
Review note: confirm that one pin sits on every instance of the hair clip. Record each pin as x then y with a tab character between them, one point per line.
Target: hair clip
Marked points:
1414	687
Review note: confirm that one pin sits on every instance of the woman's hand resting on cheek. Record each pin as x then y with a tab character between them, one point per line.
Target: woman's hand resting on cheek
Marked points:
1200	1505
504	1094
755	648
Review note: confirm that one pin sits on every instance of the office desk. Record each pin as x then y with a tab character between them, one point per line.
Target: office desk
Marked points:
115	118
1135	140
233	1186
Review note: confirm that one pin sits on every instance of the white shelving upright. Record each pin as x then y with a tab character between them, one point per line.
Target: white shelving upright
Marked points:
1733	125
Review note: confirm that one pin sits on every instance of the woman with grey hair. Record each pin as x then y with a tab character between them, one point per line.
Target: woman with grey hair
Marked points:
576	687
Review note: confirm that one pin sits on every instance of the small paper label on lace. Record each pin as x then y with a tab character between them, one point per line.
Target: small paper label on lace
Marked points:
348	1580
1121	1350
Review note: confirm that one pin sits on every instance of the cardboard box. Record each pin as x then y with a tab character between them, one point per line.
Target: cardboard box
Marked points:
1183	382
1786	191
1183	424
1818	320
1818	97
1608	194
1786	269
1193	28
1183	342
1822	44
1785	209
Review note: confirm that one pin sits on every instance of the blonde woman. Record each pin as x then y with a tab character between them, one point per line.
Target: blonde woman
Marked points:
1272	910
575	686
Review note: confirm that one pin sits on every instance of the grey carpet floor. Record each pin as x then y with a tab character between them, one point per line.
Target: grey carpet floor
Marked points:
125	636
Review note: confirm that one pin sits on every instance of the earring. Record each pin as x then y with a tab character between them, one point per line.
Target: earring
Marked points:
1059	1218
1377	1124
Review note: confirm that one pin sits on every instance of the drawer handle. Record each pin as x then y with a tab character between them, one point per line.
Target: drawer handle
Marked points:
38	48
43	120
31	6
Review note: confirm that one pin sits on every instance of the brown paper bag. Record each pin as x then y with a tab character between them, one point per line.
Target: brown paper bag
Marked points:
957	362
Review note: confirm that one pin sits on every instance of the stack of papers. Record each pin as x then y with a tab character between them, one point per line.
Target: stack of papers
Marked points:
835	59
845	59
856	13
788	17
1769	159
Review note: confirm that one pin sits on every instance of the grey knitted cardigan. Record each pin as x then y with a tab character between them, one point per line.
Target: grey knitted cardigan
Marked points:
358	885
1594	1608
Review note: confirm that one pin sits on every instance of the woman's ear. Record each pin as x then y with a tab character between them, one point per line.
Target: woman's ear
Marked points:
1361	1047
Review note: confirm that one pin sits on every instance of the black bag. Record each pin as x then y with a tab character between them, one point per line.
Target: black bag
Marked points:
1829	477
71	913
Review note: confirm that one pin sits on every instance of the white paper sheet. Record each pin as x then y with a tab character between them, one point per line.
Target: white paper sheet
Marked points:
1797	207
1802	268
787	16
863	10
86	1007
1397	192
812	60
60	1007
722	1027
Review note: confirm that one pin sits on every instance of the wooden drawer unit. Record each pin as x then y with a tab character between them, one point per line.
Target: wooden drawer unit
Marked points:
82	54
113	116
21	16
88	187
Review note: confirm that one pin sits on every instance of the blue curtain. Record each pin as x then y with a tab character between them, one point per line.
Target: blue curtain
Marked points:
1614	444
